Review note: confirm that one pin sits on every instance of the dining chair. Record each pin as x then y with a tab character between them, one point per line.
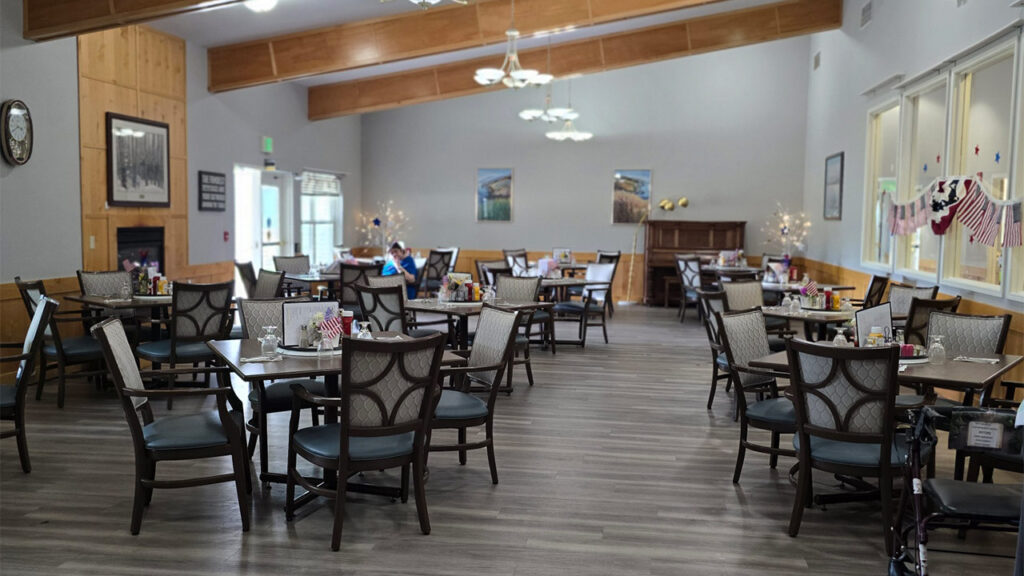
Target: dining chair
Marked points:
12	398
199	313
248	276
298	264
385	411
438	264
455	256
915	329
201	435
350	275
986	463
269	397
383	307
458	407
413	327
901	295
744	339
711	303
517	291
845	413
873	296
488	270
106	284
688	270
269	284
610	257
518	261
594	303
62	352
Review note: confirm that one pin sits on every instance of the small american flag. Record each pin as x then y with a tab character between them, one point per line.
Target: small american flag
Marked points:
330	327
972	209
810	289
1011	225
989	227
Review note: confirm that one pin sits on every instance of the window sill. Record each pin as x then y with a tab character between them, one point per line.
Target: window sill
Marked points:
917	275
876	267
974	286
1015	296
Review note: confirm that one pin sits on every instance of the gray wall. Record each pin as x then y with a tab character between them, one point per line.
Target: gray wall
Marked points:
226	128
40	202
725	129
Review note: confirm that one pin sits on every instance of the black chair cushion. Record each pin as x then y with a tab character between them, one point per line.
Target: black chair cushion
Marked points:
970	500
279	394
906	400
777	411
854	453
8	396
455	405
323	442
575	290
76	349
540	316
422	332
776	344
236	332
772	323
160	351
576	307
189	431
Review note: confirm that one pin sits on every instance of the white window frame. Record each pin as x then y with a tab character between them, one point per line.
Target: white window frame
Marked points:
339	217
1016	169
870	181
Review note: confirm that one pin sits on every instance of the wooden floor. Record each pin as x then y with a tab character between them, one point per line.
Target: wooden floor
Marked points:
609	465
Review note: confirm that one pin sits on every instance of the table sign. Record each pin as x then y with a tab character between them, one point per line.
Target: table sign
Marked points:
296	316
212	191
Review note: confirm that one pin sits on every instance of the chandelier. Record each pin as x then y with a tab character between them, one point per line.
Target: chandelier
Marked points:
568	131
511	73
548	114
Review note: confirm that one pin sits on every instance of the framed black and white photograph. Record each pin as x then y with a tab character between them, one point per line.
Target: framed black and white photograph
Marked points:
138	162
834	187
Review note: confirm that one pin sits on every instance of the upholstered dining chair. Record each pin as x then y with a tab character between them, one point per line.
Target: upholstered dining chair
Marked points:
610	257
488	270
875	292
438	264
593	306
458	408
12	398
385	411
269	284
744	339
455	256
845	412
383	307
520	290
901	295
688	270
298	264
275	396
195	436
107	283
747	294
61	352
351	275
711	303
518	261
247	274
413	327
915	329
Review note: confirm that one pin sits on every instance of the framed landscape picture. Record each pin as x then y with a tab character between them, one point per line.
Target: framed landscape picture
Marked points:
138	162
834	187
631	196
494	195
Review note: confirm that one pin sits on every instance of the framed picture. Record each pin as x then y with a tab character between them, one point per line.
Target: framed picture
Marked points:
834	187
631	196
494	195
138	162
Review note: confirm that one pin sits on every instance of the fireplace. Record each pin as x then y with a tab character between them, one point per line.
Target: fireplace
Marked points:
141	243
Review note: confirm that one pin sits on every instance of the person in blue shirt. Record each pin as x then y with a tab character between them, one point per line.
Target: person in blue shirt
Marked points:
402	262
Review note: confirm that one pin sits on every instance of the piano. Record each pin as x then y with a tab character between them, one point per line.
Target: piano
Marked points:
663	239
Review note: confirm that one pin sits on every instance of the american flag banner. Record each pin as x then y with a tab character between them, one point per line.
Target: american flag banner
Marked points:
330	327
989	227
1011	225
946	199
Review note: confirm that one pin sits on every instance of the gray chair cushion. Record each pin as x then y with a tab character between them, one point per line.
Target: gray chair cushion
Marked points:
279	394
8	396
854	453
773	411
987	502
160	351
455	405
323	442
77	348
189	431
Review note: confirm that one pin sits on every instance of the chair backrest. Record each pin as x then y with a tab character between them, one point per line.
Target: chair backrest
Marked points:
744	338
298	264
514	289
387	282
120	360
845	394
256	314
439	263
610	257
34	337
352	274
383	307
876	290
248	275
103	283
389	386
455	256
32	293
900	296
493	344
517	261
916	329
200	312
969	335
600	273
688	268
711	303
487	270
743	294
268	285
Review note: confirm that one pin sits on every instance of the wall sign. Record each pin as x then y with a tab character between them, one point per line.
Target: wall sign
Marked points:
212	191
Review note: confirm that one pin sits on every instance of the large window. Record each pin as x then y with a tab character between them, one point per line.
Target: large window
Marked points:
923	162
982	146
883	143
320	216
1017	254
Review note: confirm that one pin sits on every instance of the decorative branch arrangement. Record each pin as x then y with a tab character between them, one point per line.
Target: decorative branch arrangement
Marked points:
385	226
787	230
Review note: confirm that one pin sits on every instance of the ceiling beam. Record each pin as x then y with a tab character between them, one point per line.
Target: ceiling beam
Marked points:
50	19
410	35
783	19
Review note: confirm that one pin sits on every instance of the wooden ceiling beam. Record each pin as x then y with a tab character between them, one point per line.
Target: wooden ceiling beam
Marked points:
409	35
783	19
50	19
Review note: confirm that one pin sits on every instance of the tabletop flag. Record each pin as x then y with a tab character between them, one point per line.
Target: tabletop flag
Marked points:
330	327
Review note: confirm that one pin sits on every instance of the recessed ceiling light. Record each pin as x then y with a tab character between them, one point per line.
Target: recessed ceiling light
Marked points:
260	5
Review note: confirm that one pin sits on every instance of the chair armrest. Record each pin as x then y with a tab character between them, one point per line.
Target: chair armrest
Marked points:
759	371
176	392
16	358
453	370
301	397
174	371
11	344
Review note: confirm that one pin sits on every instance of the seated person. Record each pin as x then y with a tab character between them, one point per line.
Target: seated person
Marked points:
401	262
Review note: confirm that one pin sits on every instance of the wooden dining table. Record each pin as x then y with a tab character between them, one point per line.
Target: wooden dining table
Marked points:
157	306
462	311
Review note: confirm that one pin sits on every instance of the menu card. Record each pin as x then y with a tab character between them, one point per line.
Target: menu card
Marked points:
295	315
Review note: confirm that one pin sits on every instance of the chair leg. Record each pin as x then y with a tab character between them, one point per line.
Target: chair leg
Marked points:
254	437
803	486
551	333
42	377
508	376
243	485
604	326
405	483
264	451
490	451
339	509
289	494
140	496
773	458
60	384
529	369
682	311
19	423
150	475
419	466
885	487
741	453
959	465
714	384
462	452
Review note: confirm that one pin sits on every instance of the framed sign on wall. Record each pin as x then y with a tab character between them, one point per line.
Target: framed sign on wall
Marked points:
834	187
212	191
138	162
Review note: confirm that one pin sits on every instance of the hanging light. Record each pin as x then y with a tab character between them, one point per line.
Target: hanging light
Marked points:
569	131
511	73
548	114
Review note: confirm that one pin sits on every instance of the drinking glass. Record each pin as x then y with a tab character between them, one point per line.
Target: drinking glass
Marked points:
364	331
324	349
268	342
126	291
936	351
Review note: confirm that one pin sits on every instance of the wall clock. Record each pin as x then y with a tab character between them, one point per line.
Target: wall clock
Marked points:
16	131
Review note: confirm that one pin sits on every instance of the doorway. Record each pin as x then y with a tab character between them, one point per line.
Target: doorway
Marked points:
263	216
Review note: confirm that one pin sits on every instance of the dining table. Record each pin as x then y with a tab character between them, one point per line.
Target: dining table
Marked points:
794	287
156	305
460	312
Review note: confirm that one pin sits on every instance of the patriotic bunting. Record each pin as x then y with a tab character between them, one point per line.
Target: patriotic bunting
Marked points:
964	199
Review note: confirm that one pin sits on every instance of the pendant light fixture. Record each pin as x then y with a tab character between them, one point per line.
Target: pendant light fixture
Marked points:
569	131
511	73
548	114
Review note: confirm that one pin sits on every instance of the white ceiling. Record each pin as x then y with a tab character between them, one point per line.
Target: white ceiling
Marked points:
236	23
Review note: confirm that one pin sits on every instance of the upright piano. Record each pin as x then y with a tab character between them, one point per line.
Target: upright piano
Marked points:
666	238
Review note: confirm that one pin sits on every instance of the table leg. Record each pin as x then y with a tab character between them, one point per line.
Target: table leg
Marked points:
463	332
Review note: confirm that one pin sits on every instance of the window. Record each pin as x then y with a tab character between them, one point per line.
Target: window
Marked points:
1016	259
320	216
925	126
983	122
883	141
